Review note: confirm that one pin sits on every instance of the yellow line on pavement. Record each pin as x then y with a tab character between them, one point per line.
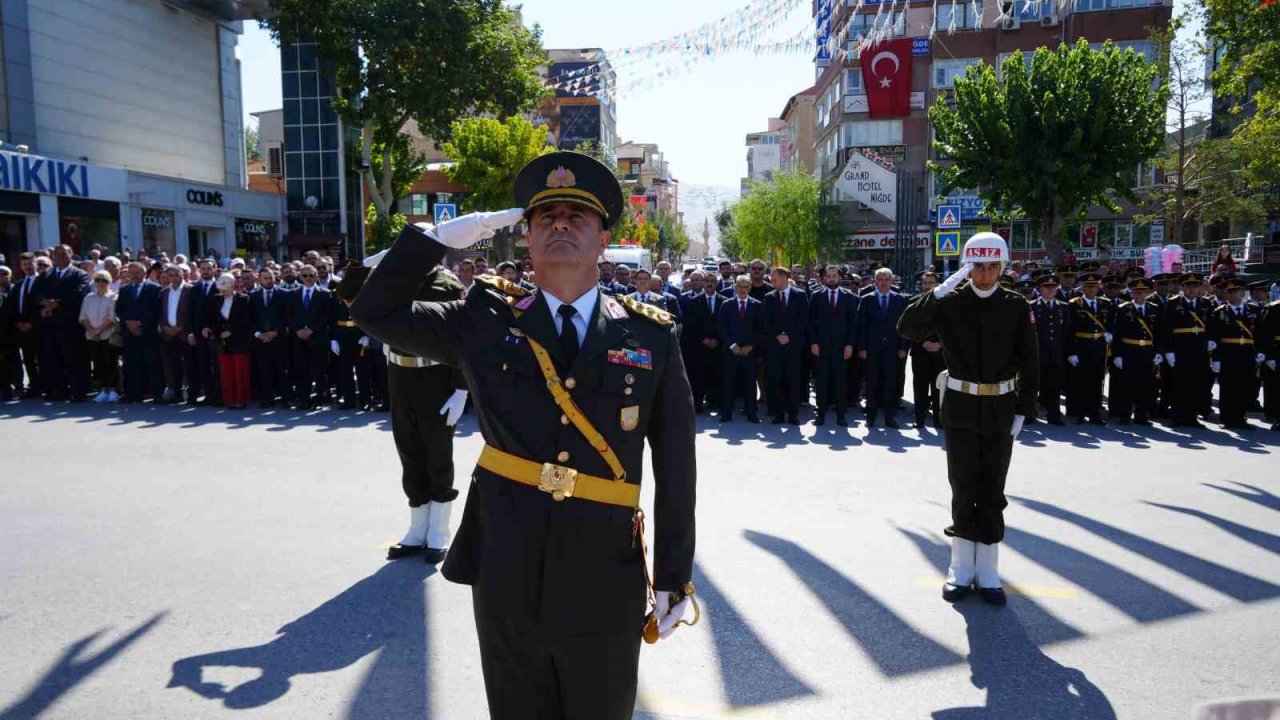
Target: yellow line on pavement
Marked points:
1035	591
664	704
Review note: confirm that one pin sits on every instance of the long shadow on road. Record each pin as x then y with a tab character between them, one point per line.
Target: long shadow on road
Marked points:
384	613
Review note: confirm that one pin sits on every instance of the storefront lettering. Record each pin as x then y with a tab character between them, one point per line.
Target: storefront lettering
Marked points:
204	197
156	221
27	173
254	228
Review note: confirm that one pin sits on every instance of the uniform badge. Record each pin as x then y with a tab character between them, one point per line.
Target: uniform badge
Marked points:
629	417
637	358
515	339
525	303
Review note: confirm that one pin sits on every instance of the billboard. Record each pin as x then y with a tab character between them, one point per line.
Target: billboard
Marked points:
578	124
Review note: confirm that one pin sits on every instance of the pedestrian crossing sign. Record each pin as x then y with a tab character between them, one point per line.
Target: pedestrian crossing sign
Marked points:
947	244
949	217
444	212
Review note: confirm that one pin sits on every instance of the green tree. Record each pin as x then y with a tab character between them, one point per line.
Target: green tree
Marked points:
673	238
431	61
780	216
252	143
407	166
1050	140
728	235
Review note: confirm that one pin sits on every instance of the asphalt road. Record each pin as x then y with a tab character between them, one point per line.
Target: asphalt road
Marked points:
166	562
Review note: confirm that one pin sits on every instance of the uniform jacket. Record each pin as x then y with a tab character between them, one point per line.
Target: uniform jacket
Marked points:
832	328
985	340
877	332
572	566
1268	331
1091	351
1053	328
1136	327
140	302
662	301
741	329
1184	327
793	320
1227	326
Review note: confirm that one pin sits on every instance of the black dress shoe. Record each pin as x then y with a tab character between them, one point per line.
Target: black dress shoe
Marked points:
1097	421
753	420
892	424
793	420
1057	421
266	405
725	418
841	421
434	556
397	551
777	420
819	420
993	596
954	593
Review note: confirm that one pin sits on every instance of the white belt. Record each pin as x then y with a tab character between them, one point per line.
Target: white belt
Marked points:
982	389
408	361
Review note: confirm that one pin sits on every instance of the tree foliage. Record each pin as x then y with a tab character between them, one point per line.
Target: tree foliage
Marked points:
432	61
728	236
252	143
779	219
1050	139
486	156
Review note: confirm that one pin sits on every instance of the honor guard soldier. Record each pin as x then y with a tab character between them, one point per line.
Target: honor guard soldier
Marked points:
1184	327
567	384
1053	328
1269	340
1088	349
1137	354
1233	350
991	385
927	361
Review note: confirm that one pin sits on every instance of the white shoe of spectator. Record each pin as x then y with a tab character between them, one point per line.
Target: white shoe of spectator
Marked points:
114	397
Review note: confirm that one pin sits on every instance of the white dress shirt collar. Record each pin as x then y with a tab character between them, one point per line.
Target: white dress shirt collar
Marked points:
585	305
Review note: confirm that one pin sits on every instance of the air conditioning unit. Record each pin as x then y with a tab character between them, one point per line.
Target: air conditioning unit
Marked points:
275	161
1009	17
1048	22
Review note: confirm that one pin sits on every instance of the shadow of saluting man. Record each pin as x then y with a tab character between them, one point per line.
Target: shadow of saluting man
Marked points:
1021	681
385	611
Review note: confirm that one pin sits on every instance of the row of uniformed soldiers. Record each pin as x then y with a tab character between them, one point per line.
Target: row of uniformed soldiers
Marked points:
1164	341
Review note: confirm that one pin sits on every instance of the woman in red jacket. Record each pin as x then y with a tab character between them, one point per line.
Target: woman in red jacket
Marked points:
229	323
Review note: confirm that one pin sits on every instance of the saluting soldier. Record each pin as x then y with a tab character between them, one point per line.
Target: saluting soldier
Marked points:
991	386
567	385
1137	354
1184	327
1088	350
1233	349
1053	328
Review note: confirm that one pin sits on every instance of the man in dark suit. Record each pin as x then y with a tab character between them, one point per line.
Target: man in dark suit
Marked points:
786	322
270	307
831	344
26	323
310	315
63	291
741	329
880	345
701	338
648	292
724	283
10	378
204	376
138	310
175	353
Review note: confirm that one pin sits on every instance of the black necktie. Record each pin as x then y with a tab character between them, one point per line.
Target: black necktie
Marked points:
568	333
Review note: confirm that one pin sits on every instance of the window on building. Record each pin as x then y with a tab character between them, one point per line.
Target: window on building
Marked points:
870	133
1021	237
415	204
1090	5
833	150
853	82
945	71
1145	175
867	23
966	15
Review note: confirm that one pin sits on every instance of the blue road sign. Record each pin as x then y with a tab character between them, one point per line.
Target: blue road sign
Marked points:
949	217
947	244
449	211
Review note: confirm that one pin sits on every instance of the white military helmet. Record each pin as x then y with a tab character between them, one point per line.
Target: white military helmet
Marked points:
985	247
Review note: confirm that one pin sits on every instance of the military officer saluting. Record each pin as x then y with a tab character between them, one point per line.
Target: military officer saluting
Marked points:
990	389
1053	327
1138	355
567	384
1087	350
1184	326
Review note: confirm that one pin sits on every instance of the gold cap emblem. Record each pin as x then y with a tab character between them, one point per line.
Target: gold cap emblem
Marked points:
561	178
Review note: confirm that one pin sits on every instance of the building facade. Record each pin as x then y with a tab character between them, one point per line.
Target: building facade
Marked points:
797	135
583	109
643	165
764	153
122	126
842	121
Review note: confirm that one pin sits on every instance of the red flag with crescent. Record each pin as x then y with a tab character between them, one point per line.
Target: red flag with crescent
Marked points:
886	76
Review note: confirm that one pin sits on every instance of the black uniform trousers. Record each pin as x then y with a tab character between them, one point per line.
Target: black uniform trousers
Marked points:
1237	383
423	439
272	359
1271	393
531	673
830	375
925	367
1133	387
310	362
977	463
345	364
1052	378
371	378
785	379
1084	387
739	371
1190	382
882	384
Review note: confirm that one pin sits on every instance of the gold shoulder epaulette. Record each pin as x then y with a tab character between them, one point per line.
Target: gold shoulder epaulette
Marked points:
1076	298
1125	304
502	285
661	317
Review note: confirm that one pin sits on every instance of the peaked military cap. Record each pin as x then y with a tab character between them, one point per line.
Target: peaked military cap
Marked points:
1141	283
1135	271
1191	278
1164	277
1233	283
1091	278
1049	280
1260	285
1067	270
1090	266
570	177
1007	283
1113	281
1220	280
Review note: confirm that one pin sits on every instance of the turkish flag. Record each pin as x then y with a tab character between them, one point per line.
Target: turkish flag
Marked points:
886	76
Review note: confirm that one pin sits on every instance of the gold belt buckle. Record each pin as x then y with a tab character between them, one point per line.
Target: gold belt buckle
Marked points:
557	480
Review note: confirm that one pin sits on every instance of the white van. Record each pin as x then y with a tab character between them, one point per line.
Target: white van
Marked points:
633	256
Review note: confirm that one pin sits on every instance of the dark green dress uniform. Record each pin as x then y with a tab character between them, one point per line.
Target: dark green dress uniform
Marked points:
1137	345
1053	328
1234	330
1269	345
925	367
558	583
1088	343
985	340
1184	326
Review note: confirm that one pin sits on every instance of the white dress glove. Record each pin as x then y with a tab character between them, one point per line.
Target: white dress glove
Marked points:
950	284
1016	430
1108	337
1171	359
1074	360
1271	364
1119	363
373	260
1216	367
363	341
465	231
668	616
1259	358
333	345
1159	359
1212	346
452	408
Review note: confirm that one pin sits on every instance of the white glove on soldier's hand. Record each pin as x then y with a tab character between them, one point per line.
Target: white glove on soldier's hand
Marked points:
1108	337
1171	359
668	616
950	284
374	259
363	341
1216	367
1018	420
1212	346
1158	359
1271	364
452	408
1074	360
1259	358
1119	363
465	231
333	345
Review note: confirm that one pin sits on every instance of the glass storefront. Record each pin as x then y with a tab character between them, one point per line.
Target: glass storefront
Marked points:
256	239
84	223
159	233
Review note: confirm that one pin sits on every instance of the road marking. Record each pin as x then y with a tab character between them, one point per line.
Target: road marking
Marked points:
673	706
1035	591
